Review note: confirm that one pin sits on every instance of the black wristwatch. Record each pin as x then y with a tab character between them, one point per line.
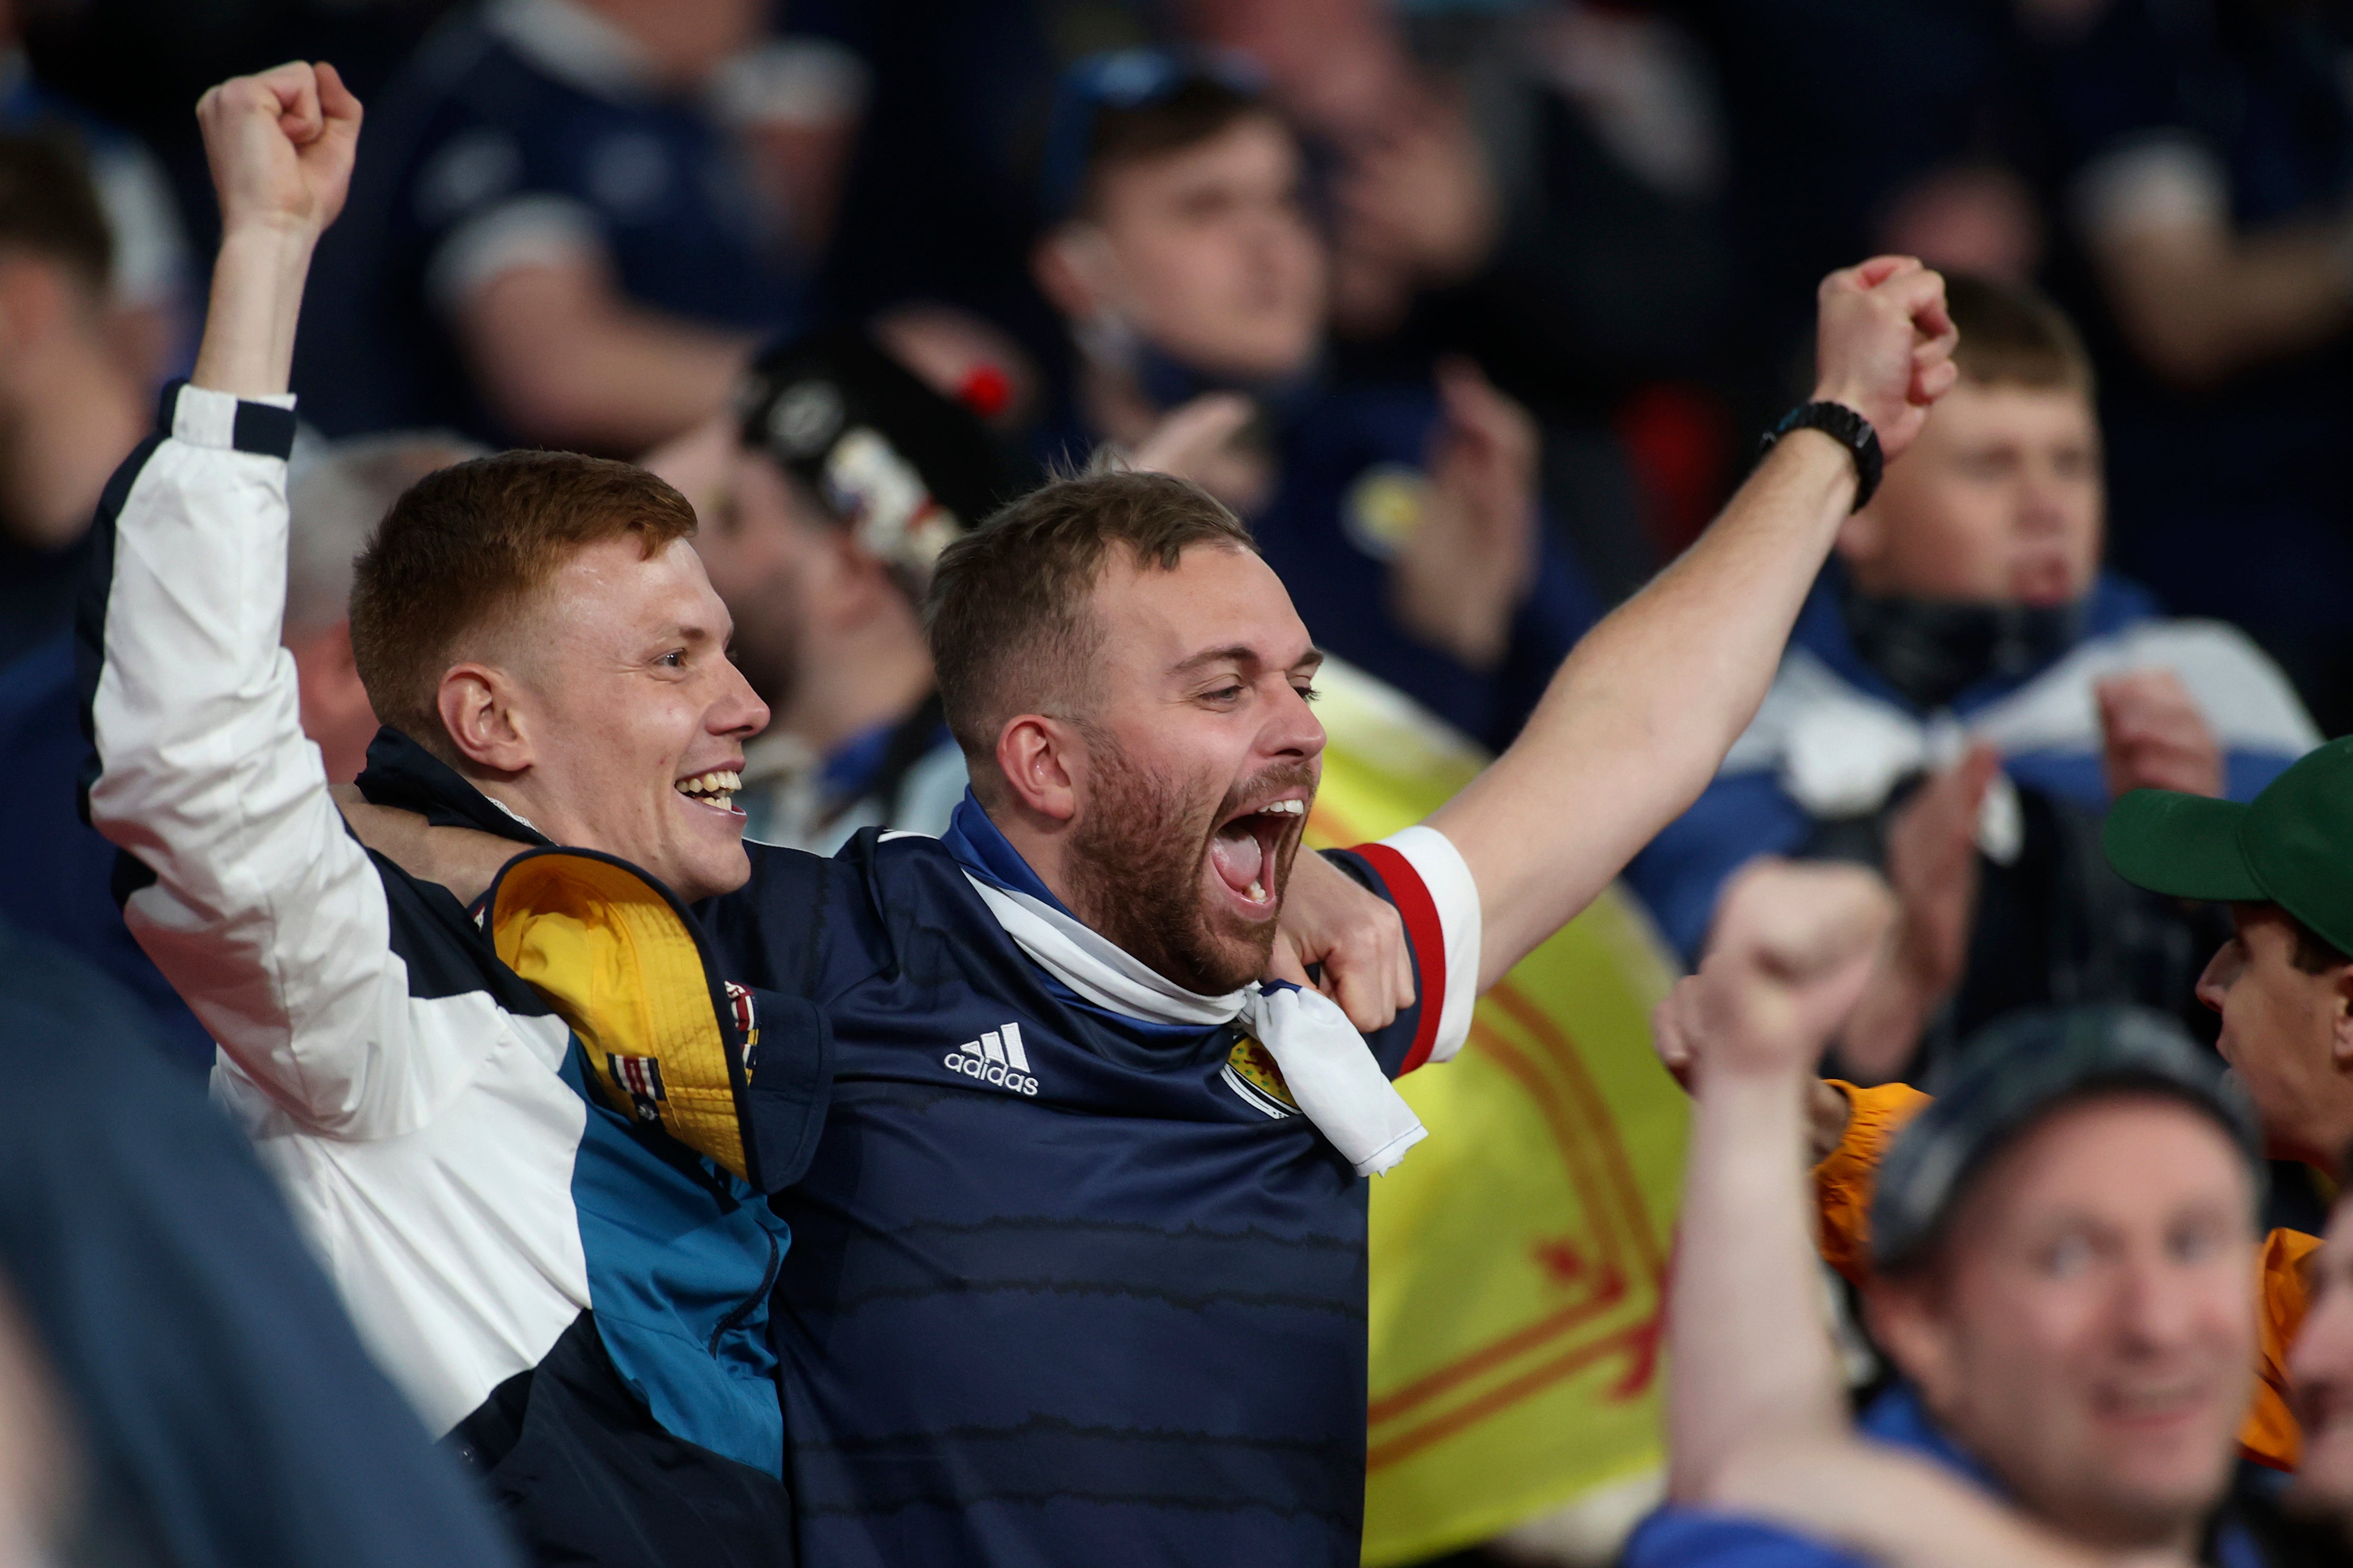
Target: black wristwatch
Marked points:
1849	430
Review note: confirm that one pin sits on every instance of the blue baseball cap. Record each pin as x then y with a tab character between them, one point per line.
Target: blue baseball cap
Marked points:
1122	79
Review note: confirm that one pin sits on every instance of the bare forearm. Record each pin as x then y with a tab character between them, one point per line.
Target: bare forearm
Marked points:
1639	717
2201	304
566	360
1896	1509
257	297
1753	1368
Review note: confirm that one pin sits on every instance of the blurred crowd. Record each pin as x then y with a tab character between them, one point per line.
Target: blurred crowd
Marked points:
1470	309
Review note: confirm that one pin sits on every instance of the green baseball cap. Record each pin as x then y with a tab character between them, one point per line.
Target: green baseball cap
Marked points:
2291	846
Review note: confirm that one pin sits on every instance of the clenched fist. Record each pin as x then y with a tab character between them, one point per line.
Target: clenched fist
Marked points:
281	147
1884	345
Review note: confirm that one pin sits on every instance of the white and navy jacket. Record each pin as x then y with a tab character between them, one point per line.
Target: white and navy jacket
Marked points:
486	1213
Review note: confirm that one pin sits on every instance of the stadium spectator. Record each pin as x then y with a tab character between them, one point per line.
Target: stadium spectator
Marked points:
1407	523
334	499
1964	695
217	1407
2320	1365
556	239
147	285
2062	1247
825	500
70	408
2202	161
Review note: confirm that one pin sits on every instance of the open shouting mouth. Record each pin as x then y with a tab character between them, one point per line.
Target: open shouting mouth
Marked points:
1248	850
715	789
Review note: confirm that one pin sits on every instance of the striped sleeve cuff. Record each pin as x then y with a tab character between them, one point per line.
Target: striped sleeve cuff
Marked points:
1435	896
225	422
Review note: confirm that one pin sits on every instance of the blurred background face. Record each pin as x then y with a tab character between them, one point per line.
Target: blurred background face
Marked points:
2320	1367
2089	1326
771	552
2000	500
1209	254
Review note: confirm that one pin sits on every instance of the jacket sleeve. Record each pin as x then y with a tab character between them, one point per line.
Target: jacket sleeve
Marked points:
243	884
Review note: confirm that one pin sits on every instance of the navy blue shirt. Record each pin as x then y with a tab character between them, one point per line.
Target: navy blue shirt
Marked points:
1067	1287
504	135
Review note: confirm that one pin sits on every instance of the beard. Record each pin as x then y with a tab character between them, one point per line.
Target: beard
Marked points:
1137	869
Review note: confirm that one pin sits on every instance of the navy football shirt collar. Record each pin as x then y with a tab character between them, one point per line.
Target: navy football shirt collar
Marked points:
575	46
404	775
982	848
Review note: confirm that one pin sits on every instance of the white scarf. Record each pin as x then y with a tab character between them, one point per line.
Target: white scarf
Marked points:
1324	1061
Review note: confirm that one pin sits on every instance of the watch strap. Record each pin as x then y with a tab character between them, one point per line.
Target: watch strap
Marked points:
1848	429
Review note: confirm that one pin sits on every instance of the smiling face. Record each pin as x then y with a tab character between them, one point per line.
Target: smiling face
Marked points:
633	717
1207	251
2088	1325
2287	1032
1200	757
2000	500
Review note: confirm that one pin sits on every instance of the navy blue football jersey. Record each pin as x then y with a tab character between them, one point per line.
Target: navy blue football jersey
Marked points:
1067	1287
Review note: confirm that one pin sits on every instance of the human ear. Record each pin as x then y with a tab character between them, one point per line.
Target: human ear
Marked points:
477	708
1906	1325
1860	538
2340	1017
1033	752
1073	268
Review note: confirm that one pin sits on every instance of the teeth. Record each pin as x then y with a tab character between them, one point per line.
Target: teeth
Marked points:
1289	808
1258	892
719	781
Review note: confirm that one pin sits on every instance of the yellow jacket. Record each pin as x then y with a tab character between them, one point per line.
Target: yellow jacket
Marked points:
1843	1185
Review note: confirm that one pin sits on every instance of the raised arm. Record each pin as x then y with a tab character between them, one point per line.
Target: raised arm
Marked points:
1756	1419
1641	714
268	918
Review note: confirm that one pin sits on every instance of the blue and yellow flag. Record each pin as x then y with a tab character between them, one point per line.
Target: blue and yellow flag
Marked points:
1519	1255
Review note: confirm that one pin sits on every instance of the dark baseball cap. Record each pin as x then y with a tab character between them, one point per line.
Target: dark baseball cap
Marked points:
2291	846
2014	1072
1122	79
907	468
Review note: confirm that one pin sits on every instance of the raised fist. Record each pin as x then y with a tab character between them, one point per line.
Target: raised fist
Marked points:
1793	947
281	147
1884	345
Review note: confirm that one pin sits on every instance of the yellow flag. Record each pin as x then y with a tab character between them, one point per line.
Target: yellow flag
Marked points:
1519	1255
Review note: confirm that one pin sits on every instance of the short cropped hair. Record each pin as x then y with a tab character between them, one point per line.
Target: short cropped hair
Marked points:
2012	335
1200	110
48	210
2315	953
1009	616
477	539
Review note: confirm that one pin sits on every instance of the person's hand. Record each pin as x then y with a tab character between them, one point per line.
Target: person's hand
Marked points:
463	859
2152	736
1884	345
1459	577
1328	918
1415	195
280	146
1794	945
1191	440
1932	864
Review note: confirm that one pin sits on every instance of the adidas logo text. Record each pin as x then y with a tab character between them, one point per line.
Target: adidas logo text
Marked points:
996	1058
